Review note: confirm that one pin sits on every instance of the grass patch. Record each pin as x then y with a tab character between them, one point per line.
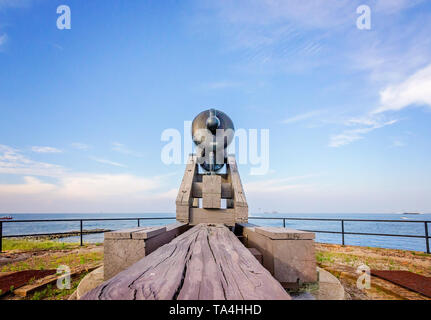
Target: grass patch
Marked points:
419	254
53	261
36	245
322	257
53	293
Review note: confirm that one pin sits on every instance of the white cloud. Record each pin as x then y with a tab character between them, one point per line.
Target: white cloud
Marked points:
398	144
105	161
222	85
393	6
12	161
394	49
303	116
67	191
57	46
278	184
366	121
121	148
105	185
294	35
351	135
415	90
45	149
85	192
80	146
317	13
277	35
31	185
15	3
3	39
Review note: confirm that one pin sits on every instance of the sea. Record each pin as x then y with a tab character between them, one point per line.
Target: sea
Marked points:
405	226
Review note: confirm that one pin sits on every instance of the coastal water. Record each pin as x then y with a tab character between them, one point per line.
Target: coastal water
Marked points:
406	226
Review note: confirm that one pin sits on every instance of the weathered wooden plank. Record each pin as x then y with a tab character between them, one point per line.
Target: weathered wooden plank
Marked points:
207	262
211	201
183	213
42	283
184	194
241	276
238	190
211	192
226	190
201	215
211	184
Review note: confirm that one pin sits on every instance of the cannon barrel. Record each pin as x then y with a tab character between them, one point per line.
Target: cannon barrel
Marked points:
212	132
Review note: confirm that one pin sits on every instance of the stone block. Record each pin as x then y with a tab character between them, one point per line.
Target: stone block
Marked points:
294	261
277	233
89	282
148	232
120	254
125	247
256	253
288	254
122	234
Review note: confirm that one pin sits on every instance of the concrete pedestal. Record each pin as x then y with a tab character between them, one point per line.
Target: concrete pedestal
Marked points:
287	253
125	247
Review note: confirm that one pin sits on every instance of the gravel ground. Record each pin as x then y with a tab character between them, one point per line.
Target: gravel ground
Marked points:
343	262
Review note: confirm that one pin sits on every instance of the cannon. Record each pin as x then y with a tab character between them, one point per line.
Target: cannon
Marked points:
198	257
212	132
200	196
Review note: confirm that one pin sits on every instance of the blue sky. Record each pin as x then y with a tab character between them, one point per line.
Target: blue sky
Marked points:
82	110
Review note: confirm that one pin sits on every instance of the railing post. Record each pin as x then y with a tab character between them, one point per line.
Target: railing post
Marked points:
342	232
80	232
427	237
1	237
284	223
138	223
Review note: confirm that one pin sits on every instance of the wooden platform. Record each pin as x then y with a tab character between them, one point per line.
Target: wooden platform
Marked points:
207	262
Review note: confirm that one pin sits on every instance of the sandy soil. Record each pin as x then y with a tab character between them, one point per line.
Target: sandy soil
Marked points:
81	258
343	261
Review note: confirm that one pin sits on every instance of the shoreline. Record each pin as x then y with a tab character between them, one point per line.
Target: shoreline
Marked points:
56	236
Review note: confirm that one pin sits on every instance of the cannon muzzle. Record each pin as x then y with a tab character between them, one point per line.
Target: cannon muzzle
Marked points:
212	132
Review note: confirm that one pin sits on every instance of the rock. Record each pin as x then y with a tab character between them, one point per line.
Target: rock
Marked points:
90	281
73	296
330	287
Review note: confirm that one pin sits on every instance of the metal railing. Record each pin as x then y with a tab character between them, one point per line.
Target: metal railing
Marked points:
342	232
81	226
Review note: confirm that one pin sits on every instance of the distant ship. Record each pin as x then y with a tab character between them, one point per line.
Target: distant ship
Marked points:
6	218
412	213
